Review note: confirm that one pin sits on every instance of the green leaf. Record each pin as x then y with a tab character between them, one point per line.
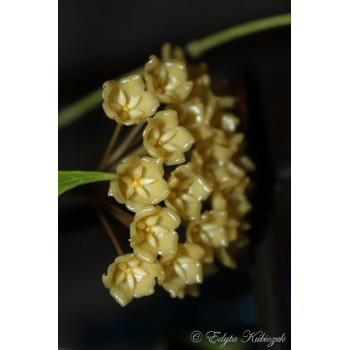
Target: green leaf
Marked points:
70	179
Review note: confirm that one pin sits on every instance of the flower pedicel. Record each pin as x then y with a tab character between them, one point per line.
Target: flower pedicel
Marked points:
206	195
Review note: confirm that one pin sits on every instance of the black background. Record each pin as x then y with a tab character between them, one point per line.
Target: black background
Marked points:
100	40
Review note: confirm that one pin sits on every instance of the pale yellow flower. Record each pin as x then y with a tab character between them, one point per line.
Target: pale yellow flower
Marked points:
168	79
215	158
163	137
237	144
153	232
238	200
218	201
127	102
185	269
216	149
140	183
238	206
226	121
218	176
202	105
214	229
128	277
195	116
202	89
187	190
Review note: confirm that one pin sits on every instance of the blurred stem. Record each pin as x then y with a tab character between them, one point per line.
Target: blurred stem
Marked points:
197	47
108	229
125	143
194	49
77	109
121	215
112	142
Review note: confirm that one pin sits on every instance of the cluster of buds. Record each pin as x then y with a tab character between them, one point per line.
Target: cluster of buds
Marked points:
194	177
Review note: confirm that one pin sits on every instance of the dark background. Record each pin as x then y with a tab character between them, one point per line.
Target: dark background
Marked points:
100	40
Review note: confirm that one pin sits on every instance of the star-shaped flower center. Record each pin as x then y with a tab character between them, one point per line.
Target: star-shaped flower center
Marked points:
126	108
204	232
159	140
135	183
148	230
130	271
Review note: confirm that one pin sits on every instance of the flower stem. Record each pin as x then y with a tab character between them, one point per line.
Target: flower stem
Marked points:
77	109
109	147
194	49
197	47
125	143
108	229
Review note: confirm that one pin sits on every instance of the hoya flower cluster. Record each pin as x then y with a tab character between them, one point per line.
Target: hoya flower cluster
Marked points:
194	177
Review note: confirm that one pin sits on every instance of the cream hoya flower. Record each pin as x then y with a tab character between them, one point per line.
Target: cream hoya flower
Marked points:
127	102
215	229
153	232
185	269
215	157
187	190
216	149
168	79
163	137
196	116
237	199
128	277
237	144
238	206
226	121
140	183
201	89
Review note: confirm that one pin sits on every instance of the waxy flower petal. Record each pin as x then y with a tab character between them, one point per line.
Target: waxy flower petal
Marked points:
187	190
213	230
168	79
238	200
163	137
140	183
185	269
153	232
127	102
128	277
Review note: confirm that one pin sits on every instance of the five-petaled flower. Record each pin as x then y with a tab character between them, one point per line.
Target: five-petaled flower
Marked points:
185	269
168	79
140	183
163	137
128	277
153	232
187	190
214	155
215	229
127	102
